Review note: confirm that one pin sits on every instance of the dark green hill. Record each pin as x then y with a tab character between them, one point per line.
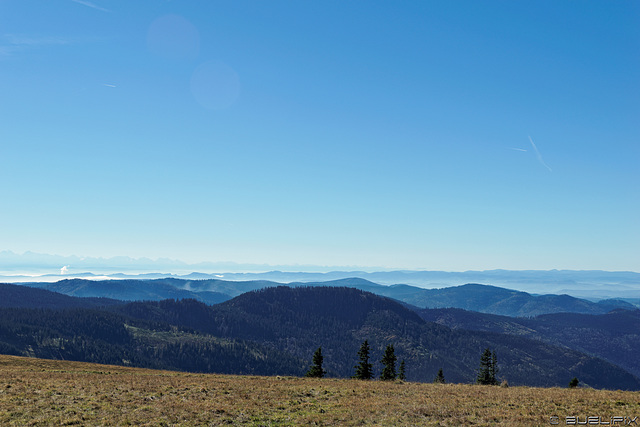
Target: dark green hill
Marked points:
132	290
226	287
24	297
299	320
494	300
277	329
614	336
105	337
481	298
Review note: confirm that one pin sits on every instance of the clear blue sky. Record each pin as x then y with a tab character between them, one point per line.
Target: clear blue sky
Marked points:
439	135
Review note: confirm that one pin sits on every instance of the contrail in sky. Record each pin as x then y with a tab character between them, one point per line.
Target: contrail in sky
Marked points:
89	4
108	85
516	149
538	155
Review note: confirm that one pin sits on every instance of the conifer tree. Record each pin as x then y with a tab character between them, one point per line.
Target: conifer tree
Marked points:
364	369
316	370
574	382
439	378
488	368
389	364
401	373
493	368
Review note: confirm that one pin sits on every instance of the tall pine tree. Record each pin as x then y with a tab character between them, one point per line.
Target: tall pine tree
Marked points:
488	368
389	364
364	369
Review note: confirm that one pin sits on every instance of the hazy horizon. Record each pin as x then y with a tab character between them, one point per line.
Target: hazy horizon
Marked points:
38	264
42	268
433	135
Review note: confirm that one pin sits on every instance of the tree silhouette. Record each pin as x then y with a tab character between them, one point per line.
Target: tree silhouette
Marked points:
364	369
488	368
401	373
316	370
389	363
439	378
574	382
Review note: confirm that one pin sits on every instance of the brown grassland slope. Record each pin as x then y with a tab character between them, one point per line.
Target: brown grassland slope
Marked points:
47	392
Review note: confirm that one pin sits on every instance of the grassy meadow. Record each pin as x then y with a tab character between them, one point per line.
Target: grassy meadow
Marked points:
47	392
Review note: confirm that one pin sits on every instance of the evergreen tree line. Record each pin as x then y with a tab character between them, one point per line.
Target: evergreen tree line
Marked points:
364	368
487	373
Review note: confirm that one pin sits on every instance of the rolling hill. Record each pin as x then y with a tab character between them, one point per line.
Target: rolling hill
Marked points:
276	330
132	290
475	297
614	336
17	296
298	320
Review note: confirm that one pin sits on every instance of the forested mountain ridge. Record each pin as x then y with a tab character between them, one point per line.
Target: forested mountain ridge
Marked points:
614	336
100	336
132	290
276	330
299	320
17	296
475	297
495	300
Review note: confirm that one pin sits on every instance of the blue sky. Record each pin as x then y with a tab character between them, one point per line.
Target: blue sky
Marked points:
438	135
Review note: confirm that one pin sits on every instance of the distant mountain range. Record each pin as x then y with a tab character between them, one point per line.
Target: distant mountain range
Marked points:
480	298
34	263
594	284
275	330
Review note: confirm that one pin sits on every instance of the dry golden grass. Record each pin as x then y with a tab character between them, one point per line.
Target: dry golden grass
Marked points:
46	392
